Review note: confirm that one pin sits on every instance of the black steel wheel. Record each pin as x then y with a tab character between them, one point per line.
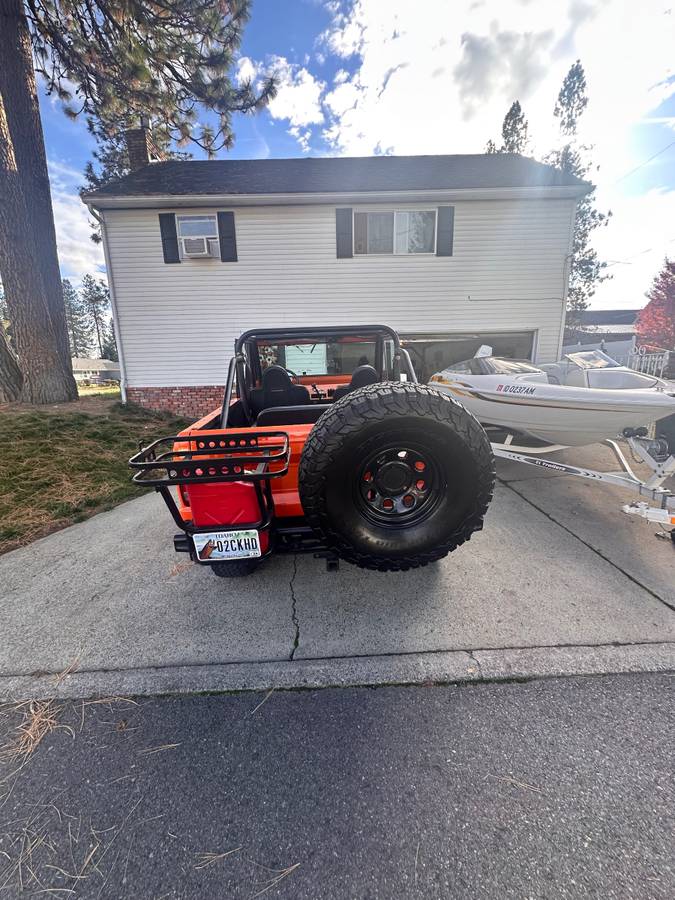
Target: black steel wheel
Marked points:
395	476
399	486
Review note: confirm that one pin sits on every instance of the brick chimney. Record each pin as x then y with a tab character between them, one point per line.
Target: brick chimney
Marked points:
141	147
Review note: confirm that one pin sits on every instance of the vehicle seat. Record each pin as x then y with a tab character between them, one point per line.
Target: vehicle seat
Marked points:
361	376
277	390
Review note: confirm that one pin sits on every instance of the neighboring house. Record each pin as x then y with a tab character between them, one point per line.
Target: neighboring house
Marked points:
612	330
95	369
603	324
453	251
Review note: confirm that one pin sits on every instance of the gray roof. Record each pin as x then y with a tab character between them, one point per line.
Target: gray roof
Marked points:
336	175
625	317
84	364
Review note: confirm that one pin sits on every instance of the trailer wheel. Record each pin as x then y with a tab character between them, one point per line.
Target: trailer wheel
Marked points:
395	476
235	568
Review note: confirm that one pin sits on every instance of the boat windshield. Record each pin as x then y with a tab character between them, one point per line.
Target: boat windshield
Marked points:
511	366
592	359
492	365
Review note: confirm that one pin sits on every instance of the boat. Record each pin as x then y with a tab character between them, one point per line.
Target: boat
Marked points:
520	399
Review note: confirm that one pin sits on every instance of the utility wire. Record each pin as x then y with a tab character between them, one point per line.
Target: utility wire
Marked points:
643	164
627	261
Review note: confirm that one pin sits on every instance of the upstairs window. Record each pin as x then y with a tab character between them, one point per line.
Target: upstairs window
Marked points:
397	232
197	236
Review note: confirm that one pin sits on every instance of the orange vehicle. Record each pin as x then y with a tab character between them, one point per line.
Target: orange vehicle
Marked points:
327	443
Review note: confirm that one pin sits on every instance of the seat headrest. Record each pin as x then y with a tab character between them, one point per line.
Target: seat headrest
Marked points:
364	375
276	378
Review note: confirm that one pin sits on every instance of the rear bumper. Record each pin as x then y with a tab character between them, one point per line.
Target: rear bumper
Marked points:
291	536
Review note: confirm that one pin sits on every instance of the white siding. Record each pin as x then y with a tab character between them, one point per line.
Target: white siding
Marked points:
178	322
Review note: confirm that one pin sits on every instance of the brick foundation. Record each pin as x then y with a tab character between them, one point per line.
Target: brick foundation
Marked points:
191	402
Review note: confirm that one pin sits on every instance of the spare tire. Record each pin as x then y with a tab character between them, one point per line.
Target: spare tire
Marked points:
396	475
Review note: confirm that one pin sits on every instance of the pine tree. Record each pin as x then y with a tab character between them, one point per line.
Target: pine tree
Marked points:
585	268
96	303
169	60
655	325
572	100
109	343
77	321
514	132
10	373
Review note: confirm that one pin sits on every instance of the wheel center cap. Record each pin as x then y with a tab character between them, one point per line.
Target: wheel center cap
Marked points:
393	478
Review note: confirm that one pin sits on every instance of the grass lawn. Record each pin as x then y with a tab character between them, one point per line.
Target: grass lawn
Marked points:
99	390
61	464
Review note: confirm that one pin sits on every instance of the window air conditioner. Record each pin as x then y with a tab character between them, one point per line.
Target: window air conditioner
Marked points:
196	246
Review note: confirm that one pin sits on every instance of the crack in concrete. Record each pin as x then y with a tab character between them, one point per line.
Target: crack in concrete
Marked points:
294	609
475	662
593	549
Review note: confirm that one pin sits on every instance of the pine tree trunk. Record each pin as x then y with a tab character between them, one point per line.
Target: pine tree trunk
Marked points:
28	259
11	378
97	325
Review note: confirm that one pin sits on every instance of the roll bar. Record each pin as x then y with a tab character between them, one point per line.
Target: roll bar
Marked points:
236	373
317	333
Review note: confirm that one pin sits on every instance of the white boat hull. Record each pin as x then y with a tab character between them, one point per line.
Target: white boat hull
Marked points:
557	414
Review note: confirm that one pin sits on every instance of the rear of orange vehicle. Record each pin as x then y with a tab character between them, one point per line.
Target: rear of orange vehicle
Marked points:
232	487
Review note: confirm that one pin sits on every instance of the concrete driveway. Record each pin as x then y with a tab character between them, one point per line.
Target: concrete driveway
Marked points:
558	582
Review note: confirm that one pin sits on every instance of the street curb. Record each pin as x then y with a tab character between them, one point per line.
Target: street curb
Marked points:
372	671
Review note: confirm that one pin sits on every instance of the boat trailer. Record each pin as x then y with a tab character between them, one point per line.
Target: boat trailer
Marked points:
653	453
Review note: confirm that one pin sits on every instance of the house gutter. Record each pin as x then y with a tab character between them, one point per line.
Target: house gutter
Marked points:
430	195
567	268
113	301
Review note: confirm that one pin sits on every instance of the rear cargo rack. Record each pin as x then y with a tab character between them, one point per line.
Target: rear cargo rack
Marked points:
212	457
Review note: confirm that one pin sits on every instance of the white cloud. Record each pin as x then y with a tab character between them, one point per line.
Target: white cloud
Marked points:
299	95
247	70
441	82
298	98
78	255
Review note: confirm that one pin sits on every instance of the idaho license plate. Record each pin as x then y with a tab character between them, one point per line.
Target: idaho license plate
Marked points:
216	545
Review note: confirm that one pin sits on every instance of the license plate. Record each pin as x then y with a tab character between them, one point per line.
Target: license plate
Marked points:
216	545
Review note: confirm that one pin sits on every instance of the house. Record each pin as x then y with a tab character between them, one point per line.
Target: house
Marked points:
97	370
603	324
609	322
612	330
452	251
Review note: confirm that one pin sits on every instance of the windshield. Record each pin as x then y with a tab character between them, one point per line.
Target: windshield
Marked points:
592	359
318	357
492	365
509	366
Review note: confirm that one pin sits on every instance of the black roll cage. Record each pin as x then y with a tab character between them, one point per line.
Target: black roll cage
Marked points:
246	359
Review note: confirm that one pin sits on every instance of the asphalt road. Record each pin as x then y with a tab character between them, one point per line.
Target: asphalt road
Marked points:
559	788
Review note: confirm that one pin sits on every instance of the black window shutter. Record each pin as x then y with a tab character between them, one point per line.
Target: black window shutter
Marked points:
228	237
445	226
343	233
167	229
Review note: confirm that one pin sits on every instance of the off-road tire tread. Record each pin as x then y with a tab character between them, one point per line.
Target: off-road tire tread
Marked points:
378	402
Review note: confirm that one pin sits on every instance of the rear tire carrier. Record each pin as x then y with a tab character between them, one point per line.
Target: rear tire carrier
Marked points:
395	476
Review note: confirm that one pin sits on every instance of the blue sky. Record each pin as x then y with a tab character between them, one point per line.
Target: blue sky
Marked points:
369	76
